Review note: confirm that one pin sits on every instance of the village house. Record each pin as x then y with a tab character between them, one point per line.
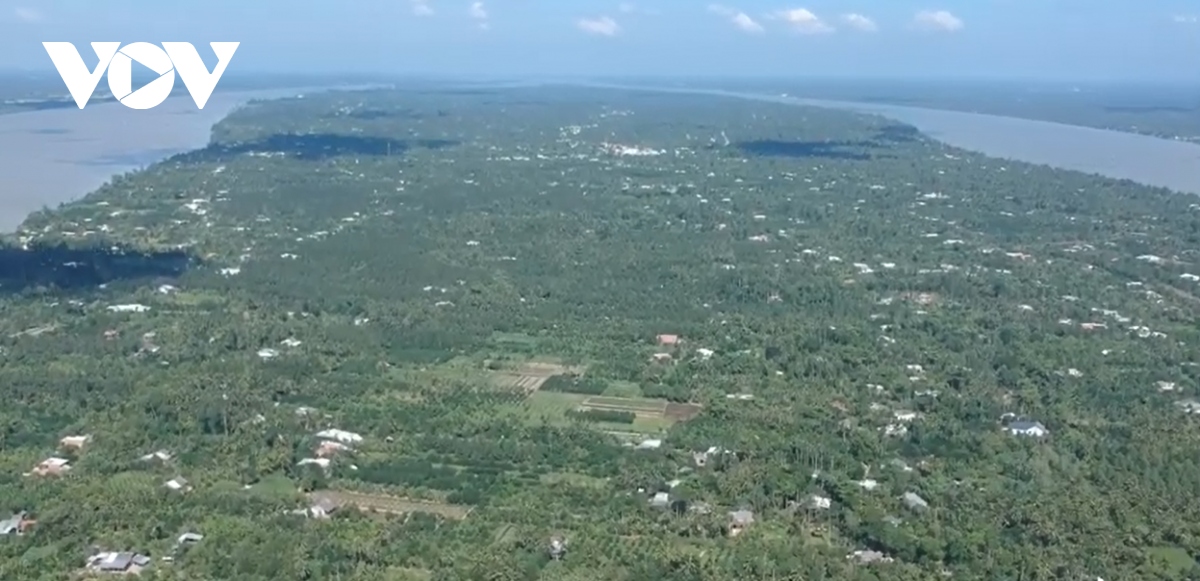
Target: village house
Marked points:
329	448
322	462
650	444
739	521
869	557
340	435
130	308
52	467
323	508
161	456
189	538
661	357
702	458
179	484
75	442
16	525
558	547
117	562
914	501
668	340
660	500
1027	428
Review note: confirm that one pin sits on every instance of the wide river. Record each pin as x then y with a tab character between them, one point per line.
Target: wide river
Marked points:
53	156
58	155
1148	160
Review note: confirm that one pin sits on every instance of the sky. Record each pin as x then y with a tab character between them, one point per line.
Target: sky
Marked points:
1005	39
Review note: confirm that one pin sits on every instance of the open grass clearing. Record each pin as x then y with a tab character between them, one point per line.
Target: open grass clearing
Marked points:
391	504
573	479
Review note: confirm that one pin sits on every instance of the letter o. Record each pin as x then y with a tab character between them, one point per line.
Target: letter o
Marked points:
120	75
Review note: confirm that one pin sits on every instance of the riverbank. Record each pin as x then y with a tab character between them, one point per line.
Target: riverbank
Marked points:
1152	161
59	155
55	156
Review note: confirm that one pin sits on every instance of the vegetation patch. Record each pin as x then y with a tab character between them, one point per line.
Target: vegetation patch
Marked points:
391	504
575	384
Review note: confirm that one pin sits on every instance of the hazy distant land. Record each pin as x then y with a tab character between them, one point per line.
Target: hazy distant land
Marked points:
61	154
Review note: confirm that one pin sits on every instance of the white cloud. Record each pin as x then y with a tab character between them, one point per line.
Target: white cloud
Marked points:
631	8
422	8
745	23
739	19
804	21
27	14
1186	19
480	15
938	20
860	22
603	26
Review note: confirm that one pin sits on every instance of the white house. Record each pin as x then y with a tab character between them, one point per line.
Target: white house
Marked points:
131	308
340	435
650	444
1027	428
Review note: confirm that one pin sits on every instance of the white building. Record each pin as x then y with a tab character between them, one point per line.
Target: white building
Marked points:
1027	428
340	435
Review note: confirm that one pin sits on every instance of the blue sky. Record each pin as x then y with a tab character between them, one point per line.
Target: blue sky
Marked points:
1045	39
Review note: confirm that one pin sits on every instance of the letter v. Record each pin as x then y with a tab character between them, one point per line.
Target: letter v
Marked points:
80	83
199	82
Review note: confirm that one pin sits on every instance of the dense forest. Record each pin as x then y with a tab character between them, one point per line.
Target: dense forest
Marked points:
579	334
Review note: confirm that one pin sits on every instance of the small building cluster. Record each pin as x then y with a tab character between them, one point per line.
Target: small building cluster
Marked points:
333	442
17	524
117	562
321	508
53	466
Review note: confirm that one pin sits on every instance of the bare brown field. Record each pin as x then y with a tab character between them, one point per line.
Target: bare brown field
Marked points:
391	504
682	412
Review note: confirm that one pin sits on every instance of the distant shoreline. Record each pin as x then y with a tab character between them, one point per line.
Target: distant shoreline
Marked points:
1151	161
58	155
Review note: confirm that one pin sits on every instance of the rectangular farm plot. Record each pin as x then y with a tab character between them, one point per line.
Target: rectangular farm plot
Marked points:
391	504
525	384
682	412
652	408
530	376
644	416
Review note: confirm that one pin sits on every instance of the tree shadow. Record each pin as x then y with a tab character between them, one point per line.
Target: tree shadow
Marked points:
847	150
71	268
311	147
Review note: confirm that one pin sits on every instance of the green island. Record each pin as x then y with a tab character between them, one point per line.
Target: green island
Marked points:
573	334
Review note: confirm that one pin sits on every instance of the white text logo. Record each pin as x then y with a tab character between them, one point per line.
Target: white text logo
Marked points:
118	61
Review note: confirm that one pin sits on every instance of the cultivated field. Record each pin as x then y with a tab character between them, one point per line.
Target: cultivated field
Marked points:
682	412
530	376
391	504
642	408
